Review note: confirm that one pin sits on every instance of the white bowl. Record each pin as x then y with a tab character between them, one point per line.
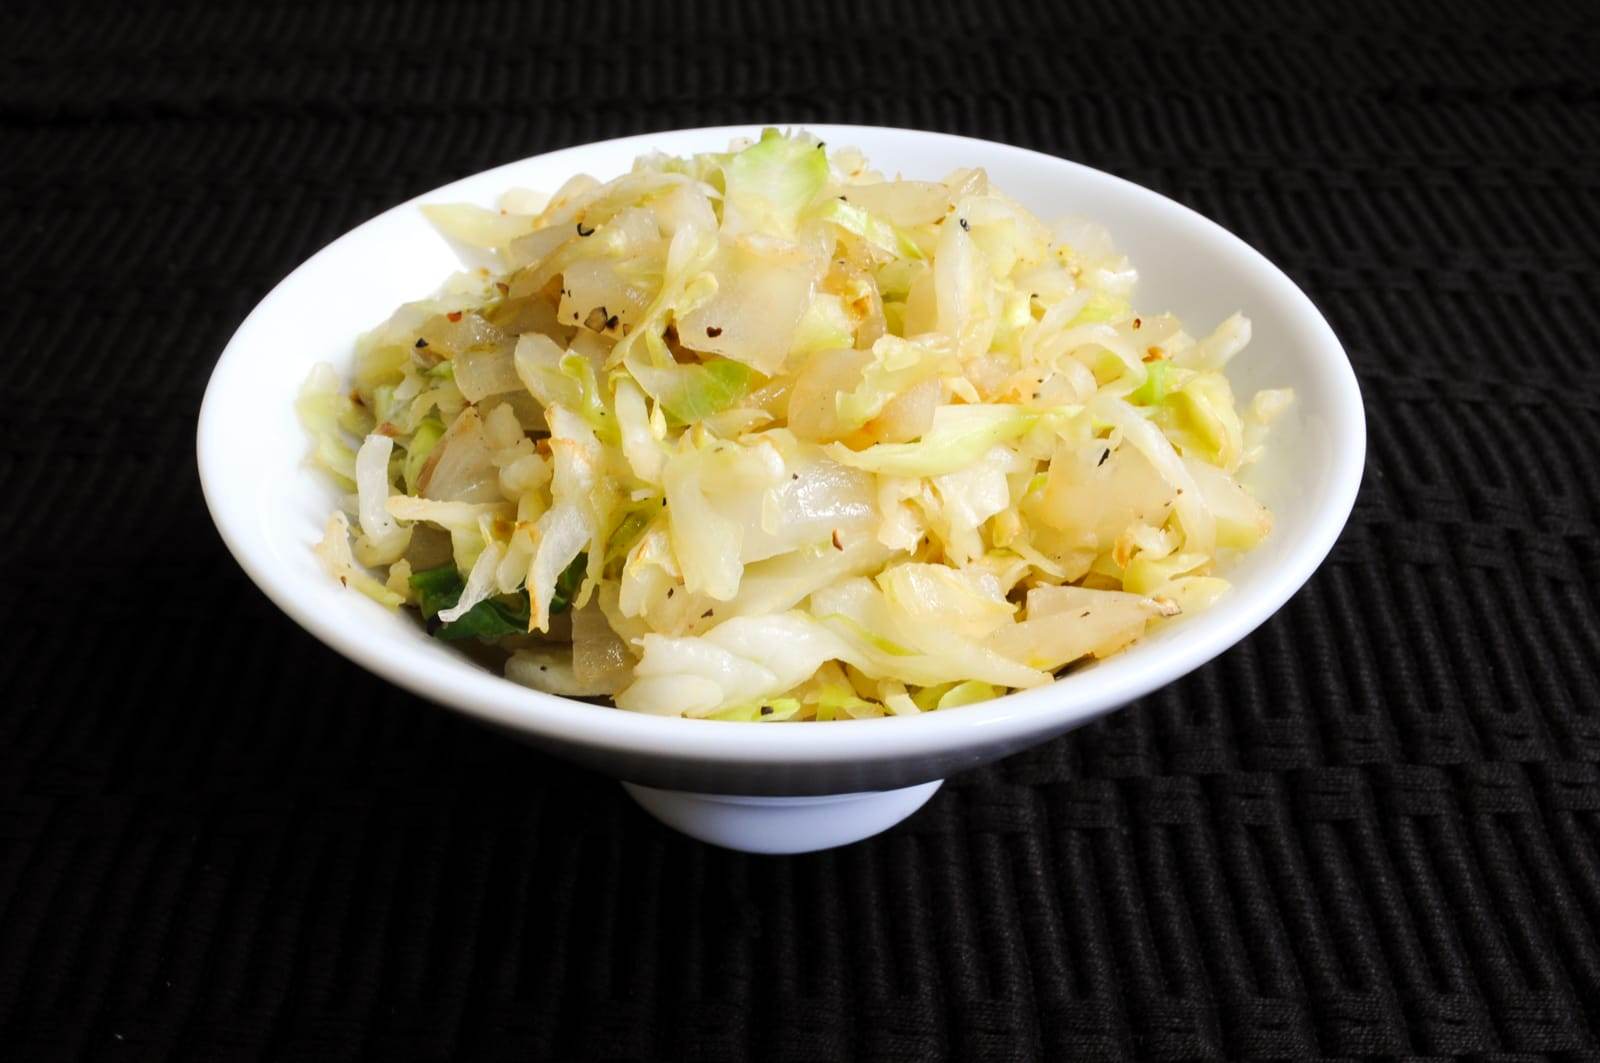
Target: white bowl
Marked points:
806	786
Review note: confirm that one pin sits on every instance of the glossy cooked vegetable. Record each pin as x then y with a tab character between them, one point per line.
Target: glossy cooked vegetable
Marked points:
765	435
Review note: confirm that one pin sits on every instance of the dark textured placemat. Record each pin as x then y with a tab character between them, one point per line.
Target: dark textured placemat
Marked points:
1372	828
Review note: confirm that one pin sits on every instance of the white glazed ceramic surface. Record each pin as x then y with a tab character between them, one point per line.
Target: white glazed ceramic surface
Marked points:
270	508
782	824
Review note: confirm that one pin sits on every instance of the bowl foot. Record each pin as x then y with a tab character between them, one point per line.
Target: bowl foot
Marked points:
781	824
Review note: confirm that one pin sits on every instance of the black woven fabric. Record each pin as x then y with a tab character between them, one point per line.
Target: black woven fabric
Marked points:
1371	829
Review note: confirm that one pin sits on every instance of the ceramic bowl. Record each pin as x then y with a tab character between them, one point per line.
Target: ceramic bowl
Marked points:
783	788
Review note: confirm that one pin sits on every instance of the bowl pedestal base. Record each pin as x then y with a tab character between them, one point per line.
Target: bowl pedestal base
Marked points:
781	824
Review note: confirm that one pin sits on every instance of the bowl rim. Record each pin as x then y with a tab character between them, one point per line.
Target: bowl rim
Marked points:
1054	707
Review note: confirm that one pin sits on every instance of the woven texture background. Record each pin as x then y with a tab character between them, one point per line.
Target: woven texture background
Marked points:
1372	828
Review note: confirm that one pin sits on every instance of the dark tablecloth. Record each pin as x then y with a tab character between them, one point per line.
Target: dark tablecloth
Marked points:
1372	828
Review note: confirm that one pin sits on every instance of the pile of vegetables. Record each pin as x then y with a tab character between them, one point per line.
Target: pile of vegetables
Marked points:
765	435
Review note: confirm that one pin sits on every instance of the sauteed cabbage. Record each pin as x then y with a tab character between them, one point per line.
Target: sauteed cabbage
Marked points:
768	435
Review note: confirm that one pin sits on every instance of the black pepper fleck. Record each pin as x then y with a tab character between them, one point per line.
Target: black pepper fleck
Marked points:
421	342
713	331
1104	454
964	224
584	232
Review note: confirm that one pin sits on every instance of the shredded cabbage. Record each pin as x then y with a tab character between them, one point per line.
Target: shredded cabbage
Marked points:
960	436
763	436
383	539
